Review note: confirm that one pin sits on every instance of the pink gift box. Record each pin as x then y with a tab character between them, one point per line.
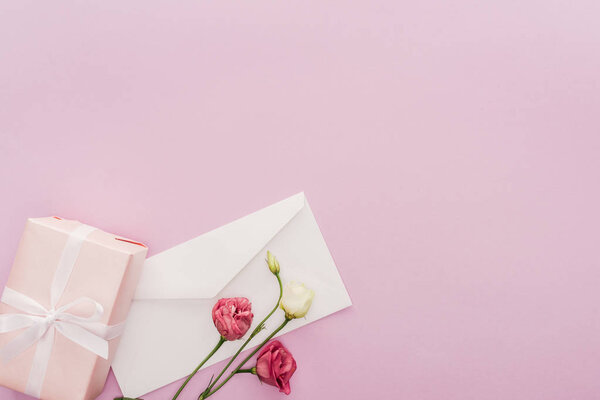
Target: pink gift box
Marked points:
103	271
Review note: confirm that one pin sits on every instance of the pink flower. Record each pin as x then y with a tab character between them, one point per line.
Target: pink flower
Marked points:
232	317
275	366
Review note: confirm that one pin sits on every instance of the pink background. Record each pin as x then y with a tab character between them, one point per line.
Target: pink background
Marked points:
449	150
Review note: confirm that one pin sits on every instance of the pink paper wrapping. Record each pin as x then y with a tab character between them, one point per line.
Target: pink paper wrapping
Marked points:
107	270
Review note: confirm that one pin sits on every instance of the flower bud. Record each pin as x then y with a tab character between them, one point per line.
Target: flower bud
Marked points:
272	263
296	300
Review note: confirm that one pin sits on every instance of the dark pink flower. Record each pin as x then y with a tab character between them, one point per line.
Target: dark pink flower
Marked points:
275	366
232	317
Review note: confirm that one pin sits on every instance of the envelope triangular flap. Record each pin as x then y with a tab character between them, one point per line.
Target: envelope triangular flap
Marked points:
201	267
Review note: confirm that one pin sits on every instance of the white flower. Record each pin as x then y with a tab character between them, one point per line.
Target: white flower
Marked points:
296	300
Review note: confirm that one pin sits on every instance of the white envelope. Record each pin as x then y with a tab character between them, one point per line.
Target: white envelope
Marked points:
170	328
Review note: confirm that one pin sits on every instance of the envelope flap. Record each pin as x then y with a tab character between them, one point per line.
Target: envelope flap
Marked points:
202	267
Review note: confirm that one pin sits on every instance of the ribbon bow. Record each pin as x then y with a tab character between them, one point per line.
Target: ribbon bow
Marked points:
41	323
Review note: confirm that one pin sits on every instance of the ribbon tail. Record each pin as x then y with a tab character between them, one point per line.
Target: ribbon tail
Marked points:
113	331
107	332
22	342
37	374
22	302
14	322
84	338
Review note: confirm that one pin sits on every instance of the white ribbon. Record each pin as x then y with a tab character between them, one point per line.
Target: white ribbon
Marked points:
41	323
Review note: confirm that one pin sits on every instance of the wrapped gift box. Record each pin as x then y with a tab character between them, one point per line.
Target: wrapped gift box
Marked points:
63	351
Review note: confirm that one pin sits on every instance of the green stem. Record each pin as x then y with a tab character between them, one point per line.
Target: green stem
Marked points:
239	367
221	341
254	333
247	371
